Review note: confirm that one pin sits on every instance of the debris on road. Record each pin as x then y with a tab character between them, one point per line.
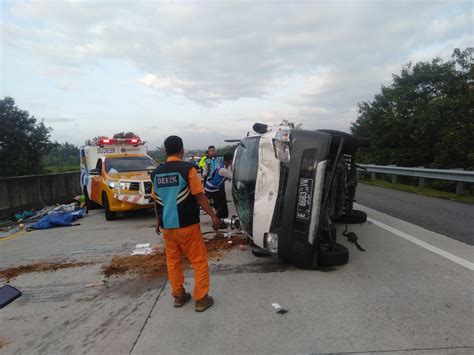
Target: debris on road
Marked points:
8	294
95	283
259	252
142	249
352	238
59	219
24	215
13	272
8	231
81	199
31	219
159	249
279	309
220	243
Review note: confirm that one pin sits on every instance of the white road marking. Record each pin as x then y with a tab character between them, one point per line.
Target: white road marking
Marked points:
445	254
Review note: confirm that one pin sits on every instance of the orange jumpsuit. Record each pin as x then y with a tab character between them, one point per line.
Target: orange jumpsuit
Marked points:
187	241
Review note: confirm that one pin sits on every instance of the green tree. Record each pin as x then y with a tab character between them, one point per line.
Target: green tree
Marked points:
159	154
424	118
23	141
64	157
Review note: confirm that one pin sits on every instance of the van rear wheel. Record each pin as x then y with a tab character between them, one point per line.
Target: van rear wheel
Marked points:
109	215
339	255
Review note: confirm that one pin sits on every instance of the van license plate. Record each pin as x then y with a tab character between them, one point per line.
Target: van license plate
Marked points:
305	197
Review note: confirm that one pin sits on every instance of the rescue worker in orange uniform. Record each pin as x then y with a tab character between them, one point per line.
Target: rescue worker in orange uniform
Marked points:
178	193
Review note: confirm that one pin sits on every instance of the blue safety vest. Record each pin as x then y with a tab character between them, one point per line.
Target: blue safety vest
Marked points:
212	164
175	204
215	182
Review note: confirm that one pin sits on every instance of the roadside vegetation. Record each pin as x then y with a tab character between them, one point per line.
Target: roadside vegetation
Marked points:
425	191
423	118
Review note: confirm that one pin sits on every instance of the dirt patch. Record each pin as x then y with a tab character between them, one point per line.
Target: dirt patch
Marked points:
220	244
145	265
3	343
41	266
155	265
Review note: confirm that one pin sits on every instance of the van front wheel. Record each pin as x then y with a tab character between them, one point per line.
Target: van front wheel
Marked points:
109	215
339	255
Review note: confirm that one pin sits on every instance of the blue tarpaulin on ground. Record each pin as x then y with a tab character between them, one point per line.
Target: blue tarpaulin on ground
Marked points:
59	219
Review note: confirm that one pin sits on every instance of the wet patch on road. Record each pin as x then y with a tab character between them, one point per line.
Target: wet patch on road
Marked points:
257	268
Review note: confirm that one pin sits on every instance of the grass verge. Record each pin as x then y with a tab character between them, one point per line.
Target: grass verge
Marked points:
421	191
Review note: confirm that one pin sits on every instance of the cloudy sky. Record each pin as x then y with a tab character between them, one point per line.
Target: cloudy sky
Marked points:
208	70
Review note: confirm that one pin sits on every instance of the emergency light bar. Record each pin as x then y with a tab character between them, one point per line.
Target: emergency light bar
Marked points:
105	141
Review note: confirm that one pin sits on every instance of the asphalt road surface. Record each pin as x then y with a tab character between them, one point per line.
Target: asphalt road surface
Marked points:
450	218
410	292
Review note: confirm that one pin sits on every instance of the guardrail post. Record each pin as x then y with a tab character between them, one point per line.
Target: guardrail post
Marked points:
394	179
358	174
373	176
421	182
460	186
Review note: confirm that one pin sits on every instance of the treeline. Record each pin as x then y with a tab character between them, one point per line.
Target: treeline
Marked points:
26	147
425	117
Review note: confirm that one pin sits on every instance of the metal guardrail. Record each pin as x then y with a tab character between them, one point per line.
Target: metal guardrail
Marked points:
459	176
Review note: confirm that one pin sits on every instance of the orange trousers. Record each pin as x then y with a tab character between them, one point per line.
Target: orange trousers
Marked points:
187	241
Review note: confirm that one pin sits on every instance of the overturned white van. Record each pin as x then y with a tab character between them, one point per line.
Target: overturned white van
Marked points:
290	187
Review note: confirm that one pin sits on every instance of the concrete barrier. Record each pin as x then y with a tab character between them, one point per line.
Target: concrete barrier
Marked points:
36	191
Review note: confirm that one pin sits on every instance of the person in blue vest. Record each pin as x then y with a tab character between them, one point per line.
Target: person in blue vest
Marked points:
215	186
210	163
178	193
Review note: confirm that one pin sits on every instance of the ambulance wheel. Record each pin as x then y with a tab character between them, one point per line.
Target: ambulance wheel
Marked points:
109	215
338	256
90	205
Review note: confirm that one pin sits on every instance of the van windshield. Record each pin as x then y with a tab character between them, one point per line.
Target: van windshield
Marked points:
113	165
245	177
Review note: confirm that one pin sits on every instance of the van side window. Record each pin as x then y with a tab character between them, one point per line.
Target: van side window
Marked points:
99	165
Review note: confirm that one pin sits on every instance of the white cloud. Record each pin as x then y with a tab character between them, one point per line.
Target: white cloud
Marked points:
334	54
166	83
59	119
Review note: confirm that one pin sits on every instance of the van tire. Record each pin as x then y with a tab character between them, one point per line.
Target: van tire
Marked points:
354	217
90	205
307	260
336	257
109	215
